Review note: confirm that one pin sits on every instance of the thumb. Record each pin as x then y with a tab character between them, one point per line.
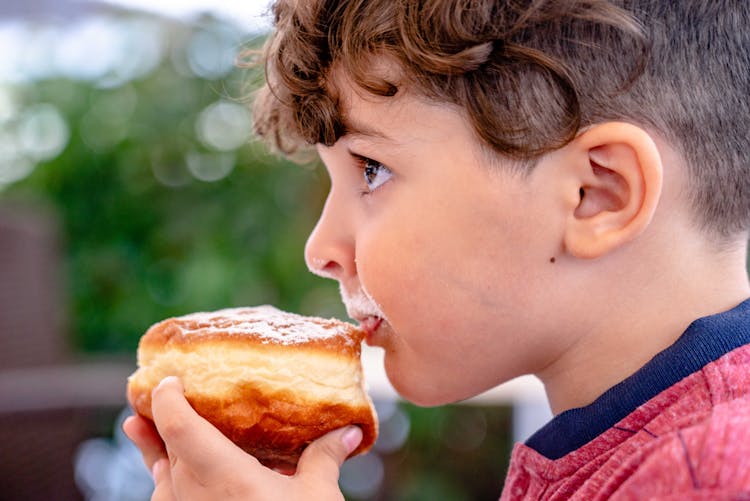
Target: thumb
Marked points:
187	435
323	458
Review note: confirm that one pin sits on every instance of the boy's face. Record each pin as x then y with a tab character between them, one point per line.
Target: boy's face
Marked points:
451	251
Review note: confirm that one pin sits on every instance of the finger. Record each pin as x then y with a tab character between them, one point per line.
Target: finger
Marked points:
144	435
323	458
162	481
189	437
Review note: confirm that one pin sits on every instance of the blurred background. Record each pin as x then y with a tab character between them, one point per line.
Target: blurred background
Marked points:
130	191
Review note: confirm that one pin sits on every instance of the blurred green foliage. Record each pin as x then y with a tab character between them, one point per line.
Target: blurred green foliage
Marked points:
145	239
457	453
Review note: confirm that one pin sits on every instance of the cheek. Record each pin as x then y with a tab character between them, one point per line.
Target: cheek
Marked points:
392	268
409	270
427	280
444	295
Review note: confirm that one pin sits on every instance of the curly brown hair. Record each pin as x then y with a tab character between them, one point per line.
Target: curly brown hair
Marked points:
529	74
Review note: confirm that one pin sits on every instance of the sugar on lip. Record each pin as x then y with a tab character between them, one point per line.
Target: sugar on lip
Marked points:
360	305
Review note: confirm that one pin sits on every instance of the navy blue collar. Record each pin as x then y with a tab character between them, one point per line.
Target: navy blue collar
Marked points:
704	341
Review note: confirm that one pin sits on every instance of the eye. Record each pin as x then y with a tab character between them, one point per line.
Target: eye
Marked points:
375	173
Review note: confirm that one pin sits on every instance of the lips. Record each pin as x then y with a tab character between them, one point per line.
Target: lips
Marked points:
370	324
361	307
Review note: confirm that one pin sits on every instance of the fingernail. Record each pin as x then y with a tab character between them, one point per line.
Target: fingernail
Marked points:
124	426
158	468
351	438
168	380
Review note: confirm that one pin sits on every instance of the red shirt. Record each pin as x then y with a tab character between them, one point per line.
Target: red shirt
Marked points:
678	429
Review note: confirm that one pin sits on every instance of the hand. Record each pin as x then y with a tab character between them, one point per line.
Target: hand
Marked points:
192	460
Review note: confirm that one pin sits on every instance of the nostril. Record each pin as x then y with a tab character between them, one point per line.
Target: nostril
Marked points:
316	263
324	268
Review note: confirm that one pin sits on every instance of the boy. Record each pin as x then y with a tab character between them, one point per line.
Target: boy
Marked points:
551	187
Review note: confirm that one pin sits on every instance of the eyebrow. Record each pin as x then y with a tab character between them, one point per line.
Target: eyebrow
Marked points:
353	128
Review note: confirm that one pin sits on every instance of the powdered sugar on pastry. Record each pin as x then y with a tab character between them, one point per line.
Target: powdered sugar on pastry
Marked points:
264	322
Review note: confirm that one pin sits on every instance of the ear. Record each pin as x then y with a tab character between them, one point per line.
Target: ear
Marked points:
616	170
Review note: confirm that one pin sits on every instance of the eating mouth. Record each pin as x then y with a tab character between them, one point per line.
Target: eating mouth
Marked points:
375	334
362	308
370	324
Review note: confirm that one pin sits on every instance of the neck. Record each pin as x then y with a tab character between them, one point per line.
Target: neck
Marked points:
645	316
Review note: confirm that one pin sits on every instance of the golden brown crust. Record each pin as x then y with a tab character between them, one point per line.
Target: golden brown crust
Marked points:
269	417
274	429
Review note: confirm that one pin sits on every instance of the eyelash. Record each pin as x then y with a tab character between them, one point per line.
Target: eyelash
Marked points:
364	163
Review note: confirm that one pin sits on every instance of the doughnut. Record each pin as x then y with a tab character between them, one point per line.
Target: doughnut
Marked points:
269	380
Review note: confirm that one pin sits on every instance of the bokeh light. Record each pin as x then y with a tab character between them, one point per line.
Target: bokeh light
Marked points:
394	427
89	49
42	132
210	167
362	476
224	125
35	134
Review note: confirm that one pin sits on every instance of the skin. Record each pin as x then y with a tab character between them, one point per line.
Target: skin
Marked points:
579	272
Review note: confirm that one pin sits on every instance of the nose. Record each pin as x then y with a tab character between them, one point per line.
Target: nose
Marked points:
329	251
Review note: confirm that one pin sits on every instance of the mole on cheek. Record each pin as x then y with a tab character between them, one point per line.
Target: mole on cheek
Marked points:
552	259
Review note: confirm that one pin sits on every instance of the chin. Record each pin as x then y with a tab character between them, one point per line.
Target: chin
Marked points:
411	386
